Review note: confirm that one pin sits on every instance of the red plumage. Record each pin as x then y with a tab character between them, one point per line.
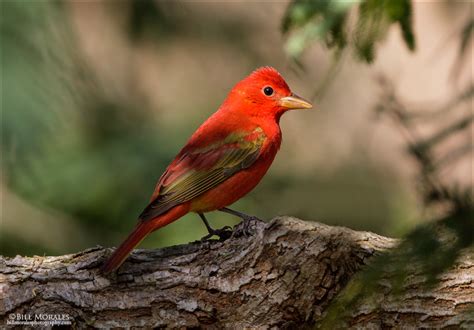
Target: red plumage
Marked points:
223	160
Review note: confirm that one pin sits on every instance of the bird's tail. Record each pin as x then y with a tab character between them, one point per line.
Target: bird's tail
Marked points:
142	229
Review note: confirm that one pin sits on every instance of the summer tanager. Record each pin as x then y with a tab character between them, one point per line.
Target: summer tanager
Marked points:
223	160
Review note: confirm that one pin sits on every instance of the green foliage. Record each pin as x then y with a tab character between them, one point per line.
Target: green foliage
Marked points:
320	20
328	22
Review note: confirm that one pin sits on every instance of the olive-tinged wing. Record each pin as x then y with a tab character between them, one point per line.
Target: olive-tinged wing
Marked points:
196	172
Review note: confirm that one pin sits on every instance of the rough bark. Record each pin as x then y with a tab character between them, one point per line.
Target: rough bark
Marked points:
449	303
283	276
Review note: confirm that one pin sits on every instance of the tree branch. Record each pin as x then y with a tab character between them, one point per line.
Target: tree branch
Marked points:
285	275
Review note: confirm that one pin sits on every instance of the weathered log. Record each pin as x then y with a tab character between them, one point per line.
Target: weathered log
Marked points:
284	276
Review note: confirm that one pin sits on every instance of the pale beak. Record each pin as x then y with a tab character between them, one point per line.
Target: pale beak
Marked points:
294	102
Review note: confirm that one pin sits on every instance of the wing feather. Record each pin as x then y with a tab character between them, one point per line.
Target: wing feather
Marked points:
221	160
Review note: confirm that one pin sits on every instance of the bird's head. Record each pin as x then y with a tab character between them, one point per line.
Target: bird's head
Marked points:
265	93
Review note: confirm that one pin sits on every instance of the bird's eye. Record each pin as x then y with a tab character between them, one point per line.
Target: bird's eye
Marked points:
268	91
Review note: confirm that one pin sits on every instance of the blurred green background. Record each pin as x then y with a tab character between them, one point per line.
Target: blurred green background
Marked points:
98	97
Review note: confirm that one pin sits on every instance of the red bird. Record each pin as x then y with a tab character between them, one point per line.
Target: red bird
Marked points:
223	160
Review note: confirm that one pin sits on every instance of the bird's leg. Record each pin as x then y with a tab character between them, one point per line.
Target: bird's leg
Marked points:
246	220
241	215
223	233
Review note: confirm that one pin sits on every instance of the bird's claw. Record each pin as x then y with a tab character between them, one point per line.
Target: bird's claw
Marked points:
246	227
223	233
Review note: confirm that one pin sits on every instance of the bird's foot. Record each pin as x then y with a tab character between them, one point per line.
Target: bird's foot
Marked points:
223	233
246	227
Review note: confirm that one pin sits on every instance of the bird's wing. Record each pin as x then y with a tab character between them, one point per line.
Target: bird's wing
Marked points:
197	171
